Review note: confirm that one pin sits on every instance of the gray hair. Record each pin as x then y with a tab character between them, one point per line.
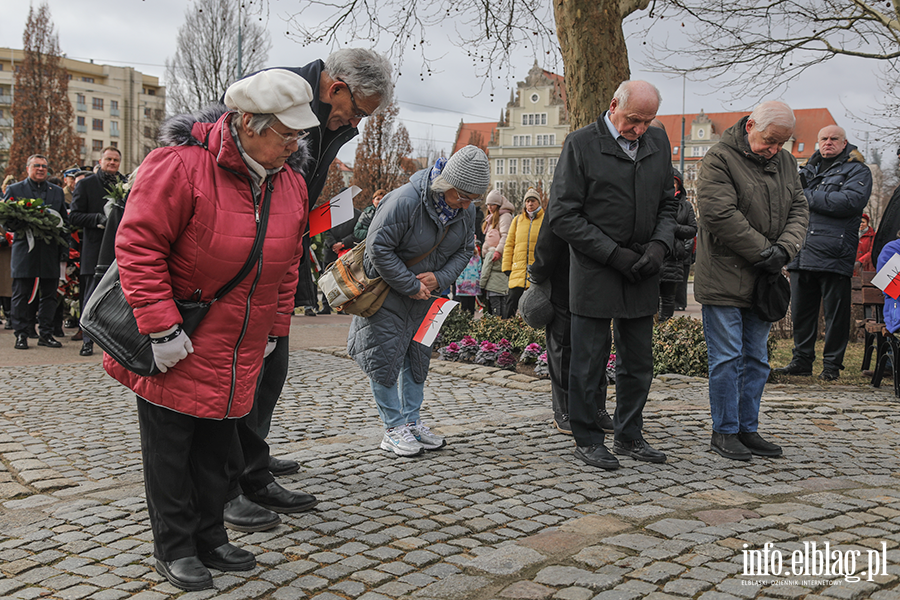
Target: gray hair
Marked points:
258	122
366	73
34	156
440	185
773	112
623	92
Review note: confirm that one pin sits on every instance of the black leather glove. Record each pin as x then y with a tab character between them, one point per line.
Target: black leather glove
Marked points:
774	258
651	261
622	260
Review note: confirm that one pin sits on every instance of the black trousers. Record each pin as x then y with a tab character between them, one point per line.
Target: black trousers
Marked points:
667	299
184	478
21	314
559	353
512	302
248	459
591	343
808	290
681	289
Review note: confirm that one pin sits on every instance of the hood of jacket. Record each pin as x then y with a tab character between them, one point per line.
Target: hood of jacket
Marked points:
736	137
189	130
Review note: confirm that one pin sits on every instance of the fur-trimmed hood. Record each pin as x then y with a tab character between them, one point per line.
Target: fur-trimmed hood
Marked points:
176	131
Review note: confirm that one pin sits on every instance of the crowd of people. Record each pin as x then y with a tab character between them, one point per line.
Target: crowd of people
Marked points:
611	244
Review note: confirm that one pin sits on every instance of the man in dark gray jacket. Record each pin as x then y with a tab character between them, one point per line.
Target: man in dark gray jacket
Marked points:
837	184
613	201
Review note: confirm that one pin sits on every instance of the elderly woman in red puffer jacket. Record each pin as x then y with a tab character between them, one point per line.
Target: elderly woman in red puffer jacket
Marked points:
188	228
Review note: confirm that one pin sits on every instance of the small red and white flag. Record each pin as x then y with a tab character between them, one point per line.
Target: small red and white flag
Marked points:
430	327
887	279
332	213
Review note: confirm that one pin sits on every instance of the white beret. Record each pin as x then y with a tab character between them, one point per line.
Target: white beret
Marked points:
277	92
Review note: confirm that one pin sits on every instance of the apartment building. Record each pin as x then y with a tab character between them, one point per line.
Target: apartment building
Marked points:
113	106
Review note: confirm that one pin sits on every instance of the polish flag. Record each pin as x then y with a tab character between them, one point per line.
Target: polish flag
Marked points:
887	279
430	327
332	213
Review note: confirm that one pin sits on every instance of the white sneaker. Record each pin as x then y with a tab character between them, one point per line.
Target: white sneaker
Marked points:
401	441
427	438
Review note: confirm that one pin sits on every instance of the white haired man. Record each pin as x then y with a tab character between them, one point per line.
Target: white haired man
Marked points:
753	216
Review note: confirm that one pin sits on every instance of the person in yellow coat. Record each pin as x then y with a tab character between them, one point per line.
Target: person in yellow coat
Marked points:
519	250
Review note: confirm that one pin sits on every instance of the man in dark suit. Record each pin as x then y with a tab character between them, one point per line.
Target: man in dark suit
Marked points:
36	262
87	211
613	201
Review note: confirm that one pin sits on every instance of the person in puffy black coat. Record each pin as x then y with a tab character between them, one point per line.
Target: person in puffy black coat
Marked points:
837	184
672	272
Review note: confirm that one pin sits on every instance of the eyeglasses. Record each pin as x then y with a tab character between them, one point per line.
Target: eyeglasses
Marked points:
359	114
467	197
39	166
289	139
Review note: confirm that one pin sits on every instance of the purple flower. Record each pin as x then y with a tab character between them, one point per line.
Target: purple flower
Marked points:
487	346
504	344
543	358
468	340
506	360
453	347
533	348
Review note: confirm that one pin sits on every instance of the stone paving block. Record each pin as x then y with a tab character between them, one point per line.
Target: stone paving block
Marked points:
561	576
527	590
634	541
506	560
454	586
686	587
573	593
658	572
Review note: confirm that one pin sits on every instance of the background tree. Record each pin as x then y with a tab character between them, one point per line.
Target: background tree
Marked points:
590	37
41	110
382	156
756	47
206	55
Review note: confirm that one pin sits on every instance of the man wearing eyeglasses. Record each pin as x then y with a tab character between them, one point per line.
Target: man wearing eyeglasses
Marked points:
36	266
350	85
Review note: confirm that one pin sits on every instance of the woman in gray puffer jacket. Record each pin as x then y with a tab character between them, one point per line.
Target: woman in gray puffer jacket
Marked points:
430	220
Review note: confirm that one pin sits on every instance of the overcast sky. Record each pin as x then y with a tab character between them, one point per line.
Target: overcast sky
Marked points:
141	33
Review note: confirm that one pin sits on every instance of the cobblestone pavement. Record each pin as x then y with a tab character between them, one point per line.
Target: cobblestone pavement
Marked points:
504	512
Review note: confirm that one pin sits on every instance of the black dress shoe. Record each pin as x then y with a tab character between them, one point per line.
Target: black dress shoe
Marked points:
48	342
794	368
597	456
639	450
185	573
606	422
22	341
243	515
228	557
87	348
274	497
758	446
830	375
729	446
8	324
280	467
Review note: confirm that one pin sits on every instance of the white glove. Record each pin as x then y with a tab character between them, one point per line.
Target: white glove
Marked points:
169	347
270	346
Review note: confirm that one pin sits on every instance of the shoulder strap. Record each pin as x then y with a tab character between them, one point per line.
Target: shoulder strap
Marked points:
256	249
433	248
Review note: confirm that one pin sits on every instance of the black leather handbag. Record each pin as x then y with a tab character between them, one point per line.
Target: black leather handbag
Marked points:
771	296
109	320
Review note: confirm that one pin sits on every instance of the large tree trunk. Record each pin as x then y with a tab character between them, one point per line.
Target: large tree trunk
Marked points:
594	53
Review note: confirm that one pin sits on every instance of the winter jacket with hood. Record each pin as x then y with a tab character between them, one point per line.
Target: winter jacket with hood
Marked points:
685	229
745	204
891	306
520	243
507	210
864	250
406	226
837	196
187	230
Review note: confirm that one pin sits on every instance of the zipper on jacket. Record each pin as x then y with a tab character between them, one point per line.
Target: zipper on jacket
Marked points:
234	354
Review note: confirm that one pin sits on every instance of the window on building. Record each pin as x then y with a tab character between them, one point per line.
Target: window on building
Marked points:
512	189
147	113
88	79
498	185
80	102
114	128
80	125
114	108
546	139
97	104
551	167
97	125
114	144
526	166
81	147
498	166
151	92
539	166
800	147
695	151
96	145
674	149
513	167
147	132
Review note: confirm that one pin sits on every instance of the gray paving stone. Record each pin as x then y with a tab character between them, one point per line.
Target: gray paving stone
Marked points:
506	560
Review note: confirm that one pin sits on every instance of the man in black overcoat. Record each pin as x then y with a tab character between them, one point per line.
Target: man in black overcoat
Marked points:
613	201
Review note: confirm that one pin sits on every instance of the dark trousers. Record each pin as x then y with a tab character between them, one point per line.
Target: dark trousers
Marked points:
808	290
184	478
248	459
512	302
466	303
21	315
559	353
666	299
494	305
681	289
591	343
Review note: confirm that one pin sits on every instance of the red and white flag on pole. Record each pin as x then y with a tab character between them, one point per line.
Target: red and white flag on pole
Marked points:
887	279
430	327
332	213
